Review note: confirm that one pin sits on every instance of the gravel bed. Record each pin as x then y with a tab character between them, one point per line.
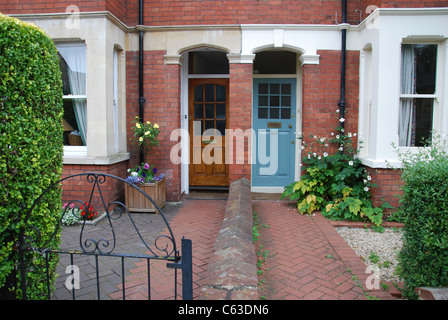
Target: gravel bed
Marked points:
385	247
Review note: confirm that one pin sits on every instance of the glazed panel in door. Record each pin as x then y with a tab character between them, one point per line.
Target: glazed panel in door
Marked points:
274	125
208	116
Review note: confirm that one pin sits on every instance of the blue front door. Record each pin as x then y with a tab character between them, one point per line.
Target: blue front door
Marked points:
274	124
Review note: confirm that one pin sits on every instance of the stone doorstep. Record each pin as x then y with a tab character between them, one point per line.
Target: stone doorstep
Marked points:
431	293
232	272
425	293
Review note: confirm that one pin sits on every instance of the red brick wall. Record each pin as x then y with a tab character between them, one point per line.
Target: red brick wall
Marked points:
52	6
117	7
162	93
193	12
132	95
388	186
240	117
366	10
78	188
321	94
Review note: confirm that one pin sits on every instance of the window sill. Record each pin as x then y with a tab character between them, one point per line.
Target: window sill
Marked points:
81	159
381	164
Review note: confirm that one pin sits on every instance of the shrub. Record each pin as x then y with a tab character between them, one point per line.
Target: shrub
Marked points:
337	184
423	260
31	146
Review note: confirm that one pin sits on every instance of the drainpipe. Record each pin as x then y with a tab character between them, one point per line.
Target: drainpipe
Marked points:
141	99
341	103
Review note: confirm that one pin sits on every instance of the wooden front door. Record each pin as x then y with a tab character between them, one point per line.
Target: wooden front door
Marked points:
208	117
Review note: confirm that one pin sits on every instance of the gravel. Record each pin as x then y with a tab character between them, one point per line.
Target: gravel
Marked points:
371	245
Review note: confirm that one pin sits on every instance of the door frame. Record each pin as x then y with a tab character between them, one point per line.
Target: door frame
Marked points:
298	151
202	80
184	122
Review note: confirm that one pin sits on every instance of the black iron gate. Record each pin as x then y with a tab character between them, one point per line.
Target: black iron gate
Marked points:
103	242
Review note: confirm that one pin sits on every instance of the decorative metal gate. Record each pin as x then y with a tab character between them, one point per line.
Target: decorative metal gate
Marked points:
102	241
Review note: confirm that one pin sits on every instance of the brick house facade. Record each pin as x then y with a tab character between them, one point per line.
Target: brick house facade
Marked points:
253	42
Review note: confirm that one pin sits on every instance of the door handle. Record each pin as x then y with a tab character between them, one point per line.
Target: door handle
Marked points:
290	126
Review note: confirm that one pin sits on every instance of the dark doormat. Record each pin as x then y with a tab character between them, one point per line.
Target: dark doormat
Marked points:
207	195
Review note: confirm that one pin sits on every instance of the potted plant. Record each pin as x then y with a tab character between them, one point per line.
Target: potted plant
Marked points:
144	175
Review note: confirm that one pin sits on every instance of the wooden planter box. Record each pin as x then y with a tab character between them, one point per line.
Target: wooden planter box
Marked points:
137	202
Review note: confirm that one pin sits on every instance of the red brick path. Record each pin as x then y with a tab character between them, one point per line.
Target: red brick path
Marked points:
198	220
307	258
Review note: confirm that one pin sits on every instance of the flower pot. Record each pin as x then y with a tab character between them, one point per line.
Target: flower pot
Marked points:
137	202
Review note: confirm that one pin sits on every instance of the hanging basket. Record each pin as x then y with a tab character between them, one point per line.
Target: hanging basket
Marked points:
137	202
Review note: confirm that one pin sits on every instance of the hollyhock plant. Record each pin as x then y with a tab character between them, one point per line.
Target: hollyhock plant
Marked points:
336	183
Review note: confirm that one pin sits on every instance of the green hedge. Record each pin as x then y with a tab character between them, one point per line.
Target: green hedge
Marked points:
423	260
31	144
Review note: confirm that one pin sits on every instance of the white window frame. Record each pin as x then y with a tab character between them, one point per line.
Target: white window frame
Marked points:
75	151
436	126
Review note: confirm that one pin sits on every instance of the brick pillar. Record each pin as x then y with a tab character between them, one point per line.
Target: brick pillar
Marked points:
240	118
162	93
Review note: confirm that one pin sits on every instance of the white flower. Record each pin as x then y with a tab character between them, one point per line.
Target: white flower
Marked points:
314	154
366	189
341	120
332	133
349	134
364	180
315	137
302	147
319	157
354	134
350	163
337	137
322	139
134	174
325	154
369	178
337	110
341	148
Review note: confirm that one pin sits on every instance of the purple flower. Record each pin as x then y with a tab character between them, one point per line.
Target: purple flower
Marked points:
154	170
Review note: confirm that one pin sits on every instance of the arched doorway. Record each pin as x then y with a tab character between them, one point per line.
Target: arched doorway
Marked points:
275	120
206	107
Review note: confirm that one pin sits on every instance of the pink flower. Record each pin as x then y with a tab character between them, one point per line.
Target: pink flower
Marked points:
146	166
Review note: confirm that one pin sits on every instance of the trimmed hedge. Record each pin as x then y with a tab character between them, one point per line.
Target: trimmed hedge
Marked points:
423	260
31	146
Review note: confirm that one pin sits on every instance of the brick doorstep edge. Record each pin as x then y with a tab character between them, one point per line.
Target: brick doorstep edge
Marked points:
232	272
